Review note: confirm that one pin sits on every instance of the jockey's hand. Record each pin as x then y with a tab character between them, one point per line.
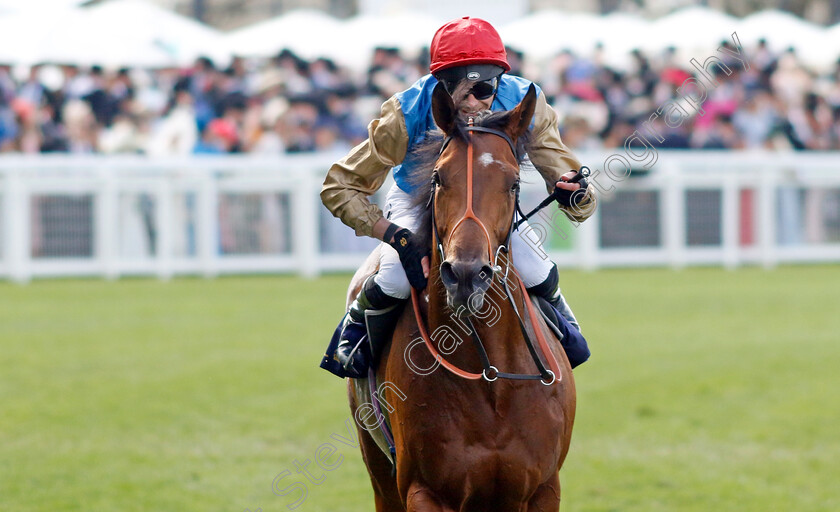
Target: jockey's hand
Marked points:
570	193
413	256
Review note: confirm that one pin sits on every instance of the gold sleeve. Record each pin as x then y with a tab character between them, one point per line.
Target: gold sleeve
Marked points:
553	159
358	175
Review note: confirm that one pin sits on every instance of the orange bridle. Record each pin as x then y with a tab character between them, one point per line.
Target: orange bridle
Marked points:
469	213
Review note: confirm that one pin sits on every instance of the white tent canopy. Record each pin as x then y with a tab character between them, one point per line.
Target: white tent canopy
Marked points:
308	33
411	31
117	33
620	32
138	33
694	31
37	5
831	43
544	34
783	30
690	29
141	23
25	37
312	34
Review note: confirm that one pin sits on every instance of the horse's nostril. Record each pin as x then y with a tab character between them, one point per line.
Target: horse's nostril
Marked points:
486	273
484	279
447	274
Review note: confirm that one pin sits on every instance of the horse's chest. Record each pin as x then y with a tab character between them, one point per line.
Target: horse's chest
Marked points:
473	437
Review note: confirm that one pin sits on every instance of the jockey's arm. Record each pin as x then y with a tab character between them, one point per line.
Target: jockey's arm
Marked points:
362	172
554	160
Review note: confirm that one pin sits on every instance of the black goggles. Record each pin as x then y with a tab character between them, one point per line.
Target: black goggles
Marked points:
481	90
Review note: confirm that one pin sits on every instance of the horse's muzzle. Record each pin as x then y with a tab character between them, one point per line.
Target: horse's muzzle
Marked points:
466	283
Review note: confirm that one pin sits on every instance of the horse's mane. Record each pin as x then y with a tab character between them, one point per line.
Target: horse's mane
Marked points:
425	155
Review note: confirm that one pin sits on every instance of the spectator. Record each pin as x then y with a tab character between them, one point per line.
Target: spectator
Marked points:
177	133
292	105
81	128
219	137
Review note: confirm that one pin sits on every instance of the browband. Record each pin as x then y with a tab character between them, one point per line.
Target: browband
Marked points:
485	130
495	132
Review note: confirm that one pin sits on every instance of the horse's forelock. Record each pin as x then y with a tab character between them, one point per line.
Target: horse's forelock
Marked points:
425	155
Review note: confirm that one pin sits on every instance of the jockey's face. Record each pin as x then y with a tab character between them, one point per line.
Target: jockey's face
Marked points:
472	87
470	105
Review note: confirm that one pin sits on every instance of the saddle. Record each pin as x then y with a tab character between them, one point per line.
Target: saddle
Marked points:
380	326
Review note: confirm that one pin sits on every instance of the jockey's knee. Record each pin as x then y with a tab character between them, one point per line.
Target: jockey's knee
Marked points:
536	272
391	277
532	268
394	284
547	286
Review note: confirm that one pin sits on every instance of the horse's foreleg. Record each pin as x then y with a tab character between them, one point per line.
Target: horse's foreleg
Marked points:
421	499
385	494
386	497
547	496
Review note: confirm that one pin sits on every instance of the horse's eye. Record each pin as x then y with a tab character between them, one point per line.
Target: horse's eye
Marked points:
437	181
515	186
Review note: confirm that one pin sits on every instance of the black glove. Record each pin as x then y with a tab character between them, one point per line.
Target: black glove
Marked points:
572	198
411	252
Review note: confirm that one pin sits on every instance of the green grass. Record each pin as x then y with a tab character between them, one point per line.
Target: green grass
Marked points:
708	390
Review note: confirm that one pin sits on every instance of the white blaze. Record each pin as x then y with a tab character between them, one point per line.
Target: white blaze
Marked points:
486	159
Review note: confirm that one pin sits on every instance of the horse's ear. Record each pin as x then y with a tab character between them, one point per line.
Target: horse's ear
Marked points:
520	117
443	109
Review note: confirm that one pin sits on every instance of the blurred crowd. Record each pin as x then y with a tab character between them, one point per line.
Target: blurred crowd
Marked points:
290	105
773	102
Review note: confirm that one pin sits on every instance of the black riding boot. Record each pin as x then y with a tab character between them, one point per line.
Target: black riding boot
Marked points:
550	291
353	351
577	350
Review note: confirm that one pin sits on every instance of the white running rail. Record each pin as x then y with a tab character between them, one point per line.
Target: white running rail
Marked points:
115	216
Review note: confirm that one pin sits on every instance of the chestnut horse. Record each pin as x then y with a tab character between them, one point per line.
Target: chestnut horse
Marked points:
463	442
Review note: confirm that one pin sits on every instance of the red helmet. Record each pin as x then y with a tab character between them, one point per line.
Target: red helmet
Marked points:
467	41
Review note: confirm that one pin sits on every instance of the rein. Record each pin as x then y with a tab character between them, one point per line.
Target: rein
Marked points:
490	373
583	173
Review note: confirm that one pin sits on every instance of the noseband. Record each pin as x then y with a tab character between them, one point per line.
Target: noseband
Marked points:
490	372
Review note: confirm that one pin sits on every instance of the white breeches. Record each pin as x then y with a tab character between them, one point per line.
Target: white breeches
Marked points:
530	261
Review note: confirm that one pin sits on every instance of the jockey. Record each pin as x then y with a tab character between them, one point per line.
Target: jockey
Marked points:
465	49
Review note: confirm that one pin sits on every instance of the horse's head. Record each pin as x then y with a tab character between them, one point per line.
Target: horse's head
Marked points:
477	182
